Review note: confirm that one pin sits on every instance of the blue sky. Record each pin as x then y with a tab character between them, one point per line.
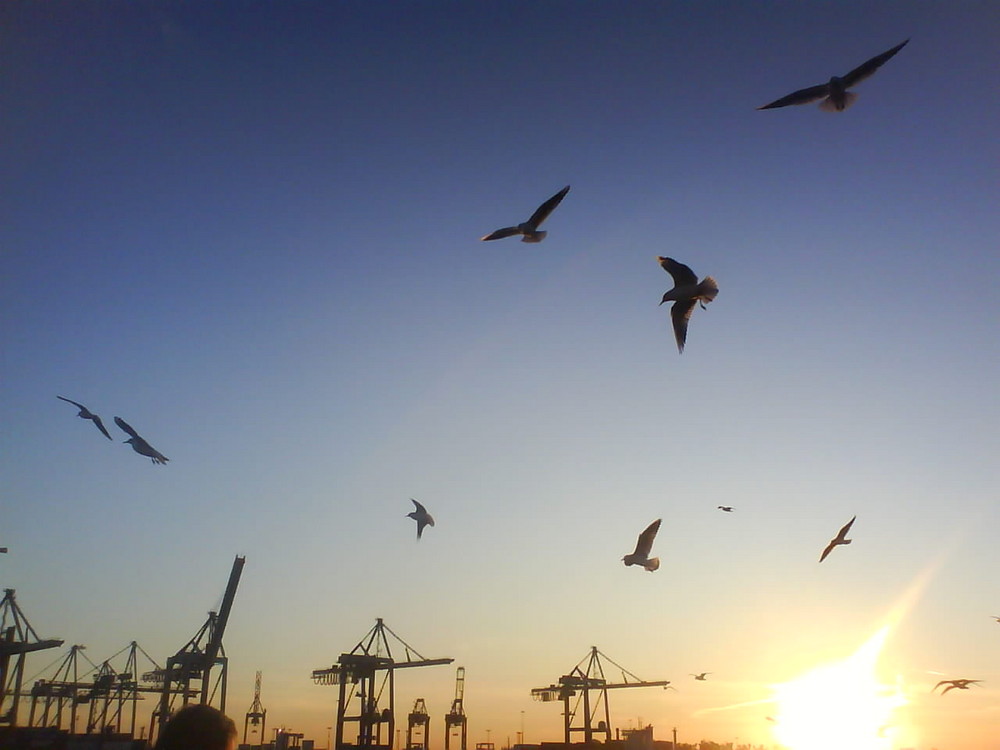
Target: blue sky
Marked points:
251	230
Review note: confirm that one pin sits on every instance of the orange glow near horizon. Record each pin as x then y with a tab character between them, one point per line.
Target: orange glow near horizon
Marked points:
839	705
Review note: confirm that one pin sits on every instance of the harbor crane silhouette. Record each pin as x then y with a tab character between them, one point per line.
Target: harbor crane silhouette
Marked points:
579	684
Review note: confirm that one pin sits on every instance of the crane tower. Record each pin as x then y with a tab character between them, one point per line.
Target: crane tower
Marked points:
257	715
580	683
418	725
456	718
364	698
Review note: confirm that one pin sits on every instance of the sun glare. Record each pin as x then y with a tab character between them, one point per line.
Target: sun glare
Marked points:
840	705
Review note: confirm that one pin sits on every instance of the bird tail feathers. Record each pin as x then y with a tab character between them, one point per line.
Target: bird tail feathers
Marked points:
708	289
651	564
828	105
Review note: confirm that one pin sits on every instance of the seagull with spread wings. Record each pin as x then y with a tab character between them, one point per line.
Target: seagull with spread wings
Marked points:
529	229
726	508
841	538
139	445
834	93
686	292
86	413
421	516
643	546
700	676
952	684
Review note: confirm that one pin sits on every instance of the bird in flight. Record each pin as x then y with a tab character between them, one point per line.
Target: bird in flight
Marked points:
139	445
841	538
726	508
686	292
952	684
421	516
643	546
529	230
834	93
86	413
700	676
995	618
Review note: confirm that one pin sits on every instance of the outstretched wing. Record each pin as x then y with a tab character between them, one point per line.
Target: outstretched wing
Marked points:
420	508
866	69
644	543
681	274
842	534
543	211
501	233
680	313
79	406
828	550
100	425
802	96
127	427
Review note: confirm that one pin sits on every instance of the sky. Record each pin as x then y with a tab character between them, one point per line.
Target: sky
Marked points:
252	230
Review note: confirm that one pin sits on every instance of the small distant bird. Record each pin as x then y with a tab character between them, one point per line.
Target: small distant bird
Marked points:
835	96
686	292
139	445
700	676
421	516
86	413
529	229
643	546
995	618
3	550
952	684
841	538
726	508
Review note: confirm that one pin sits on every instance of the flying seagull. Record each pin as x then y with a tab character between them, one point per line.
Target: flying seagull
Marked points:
86	413
139	445
841	538
643	546
834	93
995	618
529	229
421	516
700	676
952	684
686	292
726	508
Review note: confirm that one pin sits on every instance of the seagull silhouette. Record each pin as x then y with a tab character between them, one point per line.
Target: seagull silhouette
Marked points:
726	508
834	93
686	292
529	229
952	684
700	676
139	445
841	538
421	516
86	413
643	546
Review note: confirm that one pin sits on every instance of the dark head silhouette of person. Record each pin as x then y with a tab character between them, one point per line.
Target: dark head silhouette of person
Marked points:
198	727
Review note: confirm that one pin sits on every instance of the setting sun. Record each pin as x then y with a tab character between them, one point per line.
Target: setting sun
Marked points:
839	705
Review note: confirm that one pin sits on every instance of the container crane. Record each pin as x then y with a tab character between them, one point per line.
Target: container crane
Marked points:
418	725
17	640
194	663
360	670
257	715
456	718
580	683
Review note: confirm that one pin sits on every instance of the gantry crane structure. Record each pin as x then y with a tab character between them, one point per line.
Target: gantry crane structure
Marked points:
257	715
358	676
418	726
17	640
111	694
580	683
189	672
456	718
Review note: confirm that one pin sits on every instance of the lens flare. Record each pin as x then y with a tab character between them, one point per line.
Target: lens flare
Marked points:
840	705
